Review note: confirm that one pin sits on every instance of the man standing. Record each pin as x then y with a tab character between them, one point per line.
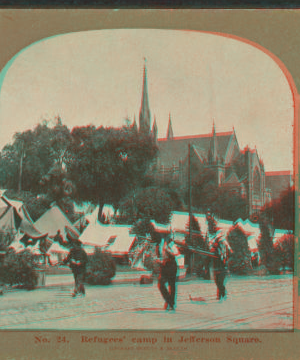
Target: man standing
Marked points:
77	259
168	272
217	245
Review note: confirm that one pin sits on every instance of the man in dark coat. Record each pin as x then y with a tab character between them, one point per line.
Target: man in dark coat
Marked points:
168	272
77	259
218	246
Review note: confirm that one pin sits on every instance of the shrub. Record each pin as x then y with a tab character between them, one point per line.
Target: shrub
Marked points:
284	252
266	247
101	268
240	259
19	269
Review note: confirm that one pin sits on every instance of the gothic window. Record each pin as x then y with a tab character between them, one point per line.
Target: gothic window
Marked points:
256	183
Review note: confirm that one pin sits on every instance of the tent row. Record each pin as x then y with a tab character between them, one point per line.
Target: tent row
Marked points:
40	236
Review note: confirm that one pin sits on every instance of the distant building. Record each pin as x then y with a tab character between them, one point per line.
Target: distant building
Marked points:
239	170
278	181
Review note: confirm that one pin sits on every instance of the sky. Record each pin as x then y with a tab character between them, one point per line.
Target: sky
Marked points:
96	77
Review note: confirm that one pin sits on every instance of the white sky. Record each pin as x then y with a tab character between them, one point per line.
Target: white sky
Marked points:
96	77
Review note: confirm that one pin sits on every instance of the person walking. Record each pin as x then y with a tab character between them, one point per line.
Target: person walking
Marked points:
218	246
167	275
77	260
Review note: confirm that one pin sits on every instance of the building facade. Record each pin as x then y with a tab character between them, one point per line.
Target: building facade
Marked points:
237	170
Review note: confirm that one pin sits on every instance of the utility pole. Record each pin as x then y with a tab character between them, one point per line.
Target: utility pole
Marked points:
190	208
21	168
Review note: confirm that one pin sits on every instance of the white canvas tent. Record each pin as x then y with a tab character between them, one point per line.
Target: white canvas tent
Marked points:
57	252
122	244
93	217
52	221
279	234
108	212
252	231
179	222
98	235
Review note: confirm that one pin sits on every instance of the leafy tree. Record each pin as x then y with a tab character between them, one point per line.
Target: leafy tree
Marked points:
205	191
231	205
32	155
282	211
109	162
151	203
240	259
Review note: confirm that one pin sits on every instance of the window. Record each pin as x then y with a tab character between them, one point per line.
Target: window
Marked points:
256	184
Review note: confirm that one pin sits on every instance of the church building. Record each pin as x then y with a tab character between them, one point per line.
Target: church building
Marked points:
238	170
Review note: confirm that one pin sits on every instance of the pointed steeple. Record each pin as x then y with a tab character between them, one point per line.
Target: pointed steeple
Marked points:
170	135
154	129
145	111
213	150
134	126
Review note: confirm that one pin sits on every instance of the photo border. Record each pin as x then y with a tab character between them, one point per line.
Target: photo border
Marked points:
21	27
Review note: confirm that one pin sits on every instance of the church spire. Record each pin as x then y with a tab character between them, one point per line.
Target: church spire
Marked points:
213	151
145	111
154	129
134	126
170	135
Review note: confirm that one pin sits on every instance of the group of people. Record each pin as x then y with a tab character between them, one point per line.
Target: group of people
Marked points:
218	248
166	255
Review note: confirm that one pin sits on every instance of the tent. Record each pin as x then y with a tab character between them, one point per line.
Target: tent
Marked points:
9	221
52	221
14	219
161	228
17	246
93	217
180	220
108	212
98	235
57	252
122	244
279	234
252	231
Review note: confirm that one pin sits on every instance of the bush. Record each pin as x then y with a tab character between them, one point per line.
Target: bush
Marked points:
284	252
101	268
19	269
240	259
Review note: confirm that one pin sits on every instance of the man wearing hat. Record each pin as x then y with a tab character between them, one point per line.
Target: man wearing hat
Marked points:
168	272
77	259
217	245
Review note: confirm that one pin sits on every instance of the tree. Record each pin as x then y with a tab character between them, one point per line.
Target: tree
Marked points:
151	204
265	245
240	259
33	154
225	202
205	191
109	162
284	252
231	205
282	211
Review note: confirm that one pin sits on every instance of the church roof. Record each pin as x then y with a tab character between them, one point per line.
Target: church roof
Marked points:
171	151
